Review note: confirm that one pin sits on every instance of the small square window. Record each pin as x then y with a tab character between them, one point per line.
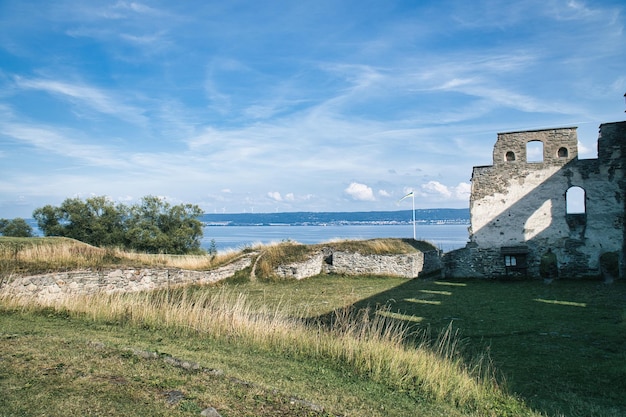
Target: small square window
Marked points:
510	260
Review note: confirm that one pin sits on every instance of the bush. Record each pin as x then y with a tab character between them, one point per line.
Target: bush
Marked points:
548	267
609	264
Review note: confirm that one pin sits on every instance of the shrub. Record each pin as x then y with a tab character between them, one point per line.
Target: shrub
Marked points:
609	264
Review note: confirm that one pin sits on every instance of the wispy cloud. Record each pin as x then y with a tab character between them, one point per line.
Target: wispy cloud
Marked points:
50	141
329	106
81	94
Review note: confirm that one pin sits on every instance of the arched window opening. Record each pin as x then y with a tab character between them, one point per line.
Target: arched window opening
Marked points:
575	200
534	151
562	153
510	156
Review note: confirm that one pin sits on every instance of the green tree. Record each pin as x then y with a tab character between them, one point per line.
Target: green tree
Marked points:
152	226
96	221
156	226
49	220
15	228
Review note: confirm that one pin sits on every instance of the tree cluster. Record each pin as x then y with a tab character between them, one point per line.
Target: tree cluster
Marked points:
15	228
152	226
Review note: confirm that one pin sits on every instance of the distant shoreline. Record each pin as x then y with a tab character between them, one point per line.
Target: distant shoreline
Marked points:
401	217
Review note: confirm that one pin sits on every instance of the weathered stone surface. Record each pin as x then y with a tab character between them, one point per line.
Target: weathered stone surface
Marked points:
210	412
60	285
516	202
301	270
405	265
350	263
54	286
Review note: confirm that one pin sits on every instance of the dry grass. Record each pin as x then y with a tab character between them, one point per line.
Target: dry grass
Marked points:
373	346
386	246
283	253
23	256
20	256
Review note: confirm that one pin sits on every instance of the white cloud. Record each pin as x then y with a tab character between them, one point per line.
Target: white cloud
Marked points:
435	189
136	7
360	192
463	191
181	103
275	195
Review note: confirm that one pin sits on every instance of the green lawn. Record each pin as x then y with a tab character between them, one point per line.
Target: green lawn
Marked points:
561	346
558	347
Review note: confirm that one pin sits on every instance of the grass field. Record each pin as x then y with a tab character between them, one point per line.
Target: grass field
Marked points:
509	348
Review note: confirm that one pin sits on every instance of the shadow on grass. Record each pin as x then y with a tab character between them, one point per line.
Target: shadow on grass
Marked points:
560	347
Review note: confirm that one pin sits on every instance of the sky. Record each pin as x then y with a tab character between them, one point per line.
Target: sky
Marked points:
280	106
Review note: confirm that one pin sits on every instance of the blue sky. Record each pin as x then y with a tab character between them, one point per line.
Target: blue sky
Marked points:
266	106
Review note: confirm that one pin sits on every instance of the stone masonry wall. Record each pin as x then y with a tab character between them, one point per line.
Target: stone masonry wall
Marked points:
520	203
54	286
301	270
60	285
408	266
349	263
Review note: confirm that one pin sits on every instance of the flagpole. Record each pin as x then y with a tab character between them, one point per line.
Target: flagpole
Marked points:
412	195
413	199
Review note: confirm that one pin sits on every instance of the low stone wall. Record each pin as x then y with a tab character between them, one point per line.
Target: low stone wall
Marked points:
462	263
58	285
301	270
406	265
350	263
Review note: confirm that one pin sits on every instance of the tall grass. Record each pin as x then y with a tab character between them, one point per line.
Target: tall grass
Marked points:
22	256
385	246
37	255
371	345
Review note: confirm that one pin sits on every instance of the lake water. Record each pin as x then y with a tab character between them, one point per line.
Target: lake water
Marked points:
446	237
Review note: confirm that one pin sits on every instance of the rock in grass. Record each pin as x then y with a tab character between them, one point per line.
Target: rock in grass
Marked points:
173	397
210	412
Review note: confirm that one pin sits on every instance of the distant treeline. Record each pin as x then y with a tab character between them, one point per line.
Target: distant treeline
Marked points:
424	216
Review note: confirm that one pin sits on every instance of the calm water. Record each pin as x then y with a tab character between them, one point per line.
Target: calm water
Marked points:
445	237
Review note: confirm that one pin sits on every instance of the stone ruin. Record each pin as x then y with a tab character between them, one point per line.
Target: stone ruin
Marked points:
523	207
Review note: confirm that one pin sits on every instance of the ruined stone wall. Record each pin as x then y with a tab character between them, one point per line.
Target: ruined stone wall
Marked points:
408	265
553	140
612	156
59	285
350	263
473	262
432	261
301	270
519	203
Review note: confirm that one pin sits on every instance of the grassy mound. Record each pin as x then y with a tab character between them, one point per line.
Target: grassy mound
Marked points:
24	256
28	256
